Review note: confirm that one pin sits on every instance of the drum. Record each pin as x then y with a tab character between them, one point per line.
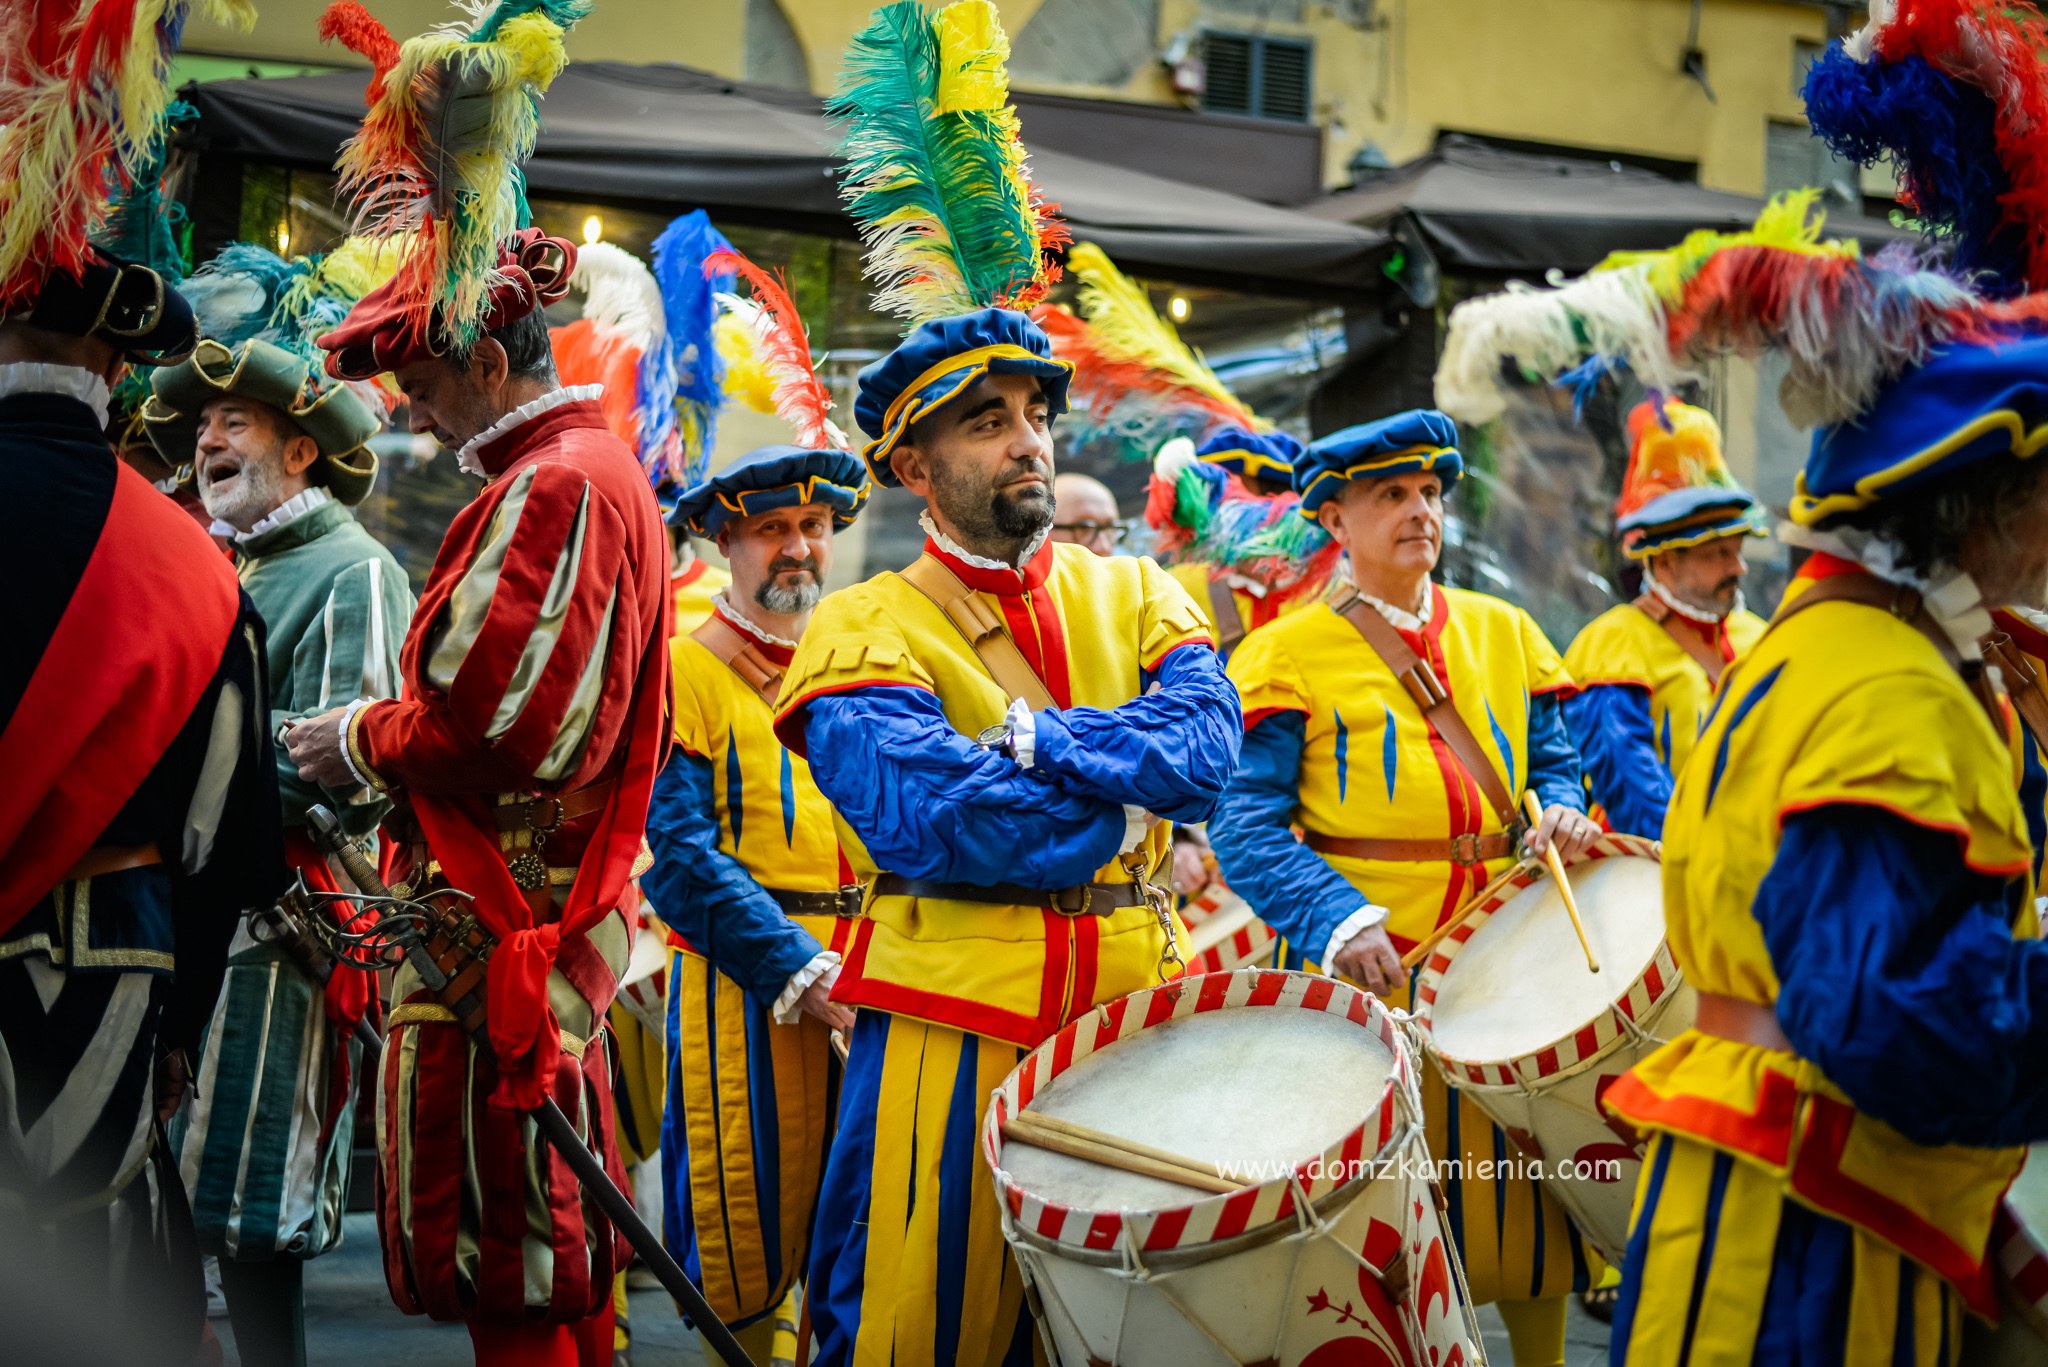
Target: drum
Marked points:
1302	1084
1514	1017
1224	933
2019	1251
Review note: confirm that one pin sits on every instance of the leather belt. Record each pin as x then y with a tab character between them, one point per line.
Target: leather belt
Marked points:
844	902
1088	899
549	813
102	860
1459	849
1745	1022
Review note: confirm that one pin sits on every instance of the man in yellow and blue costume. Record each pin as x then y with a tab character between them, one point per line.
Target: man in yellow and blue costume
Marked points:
1646	670
1397	833
1013	876
749	878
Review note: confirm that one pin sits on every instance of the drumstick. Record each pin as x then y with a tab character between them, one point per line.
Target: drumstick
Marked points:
1096	1147
1074	1129
1564	886
1458	918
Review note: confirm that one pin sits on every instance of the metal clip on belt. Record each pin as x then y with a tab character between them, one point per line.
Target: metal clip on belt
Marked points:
845	903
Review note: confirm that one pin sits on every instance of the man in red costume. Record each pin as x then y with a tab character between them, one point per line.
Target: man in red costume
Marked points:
520	756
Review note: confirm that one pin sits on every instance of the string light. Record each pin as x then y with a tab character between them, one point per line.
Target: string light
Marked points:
1178	308
593	229
284	237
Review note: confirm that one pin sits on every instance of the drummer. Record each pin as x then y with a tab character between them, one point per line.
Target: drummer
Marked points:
1400	830
1646	670
749	877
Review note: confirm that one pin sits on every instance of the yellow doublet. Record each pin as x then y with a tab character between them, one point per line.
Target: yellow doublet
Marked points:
693	588
1011	973
1371	767
1253	610
750	1102
1623	646
1840	704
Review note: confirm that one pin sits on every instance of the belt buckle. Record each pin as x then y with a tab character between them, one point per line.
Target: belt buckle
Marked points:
1465	848
552	806
1087	902
848	904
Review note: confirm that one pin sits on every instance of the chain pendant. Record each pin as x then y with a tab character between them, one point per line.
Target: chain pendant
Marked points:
529	870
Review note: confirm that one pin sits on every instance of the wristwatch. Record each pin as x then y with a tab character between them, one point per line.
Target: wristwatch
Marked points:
1001	738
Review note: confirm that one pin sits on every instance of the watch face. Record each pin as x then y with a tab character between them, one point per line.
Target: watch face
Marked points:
992	736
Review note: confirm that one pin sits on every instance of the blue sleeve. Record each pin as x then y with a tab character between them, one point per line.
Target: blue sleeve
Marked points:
1285	881
1554	771
928	803
1900	979
1611	723
707	896
1170	751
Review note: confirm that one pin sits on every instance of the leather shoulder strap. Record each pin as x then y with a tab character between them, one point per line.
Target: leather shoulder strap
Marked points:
1905	604
1430	695
739	654
1703	654
982	628
2022	684
1229	622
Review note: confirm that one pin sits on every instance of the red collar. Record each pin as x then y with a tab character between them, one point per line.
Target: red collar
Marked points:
1826	565
690	573
501	453
769	651
1433	629
1004	582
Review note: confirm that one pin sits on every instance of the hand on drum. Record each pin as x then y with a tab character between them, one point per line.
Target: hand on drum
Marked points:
817	1001
1572	831
1369	959
1190	870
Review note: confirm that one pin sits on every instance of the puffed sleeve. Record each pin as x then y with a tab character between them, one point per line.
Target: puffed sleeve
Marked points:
1610	724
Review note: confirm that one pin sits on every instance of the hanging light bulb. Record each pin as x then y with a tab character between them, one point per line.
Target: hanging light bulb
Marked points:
1178	308
284	237
593	229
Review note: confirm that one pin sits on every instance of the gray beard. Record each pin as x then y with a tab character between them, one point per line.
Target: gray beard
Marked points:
789	602
256	495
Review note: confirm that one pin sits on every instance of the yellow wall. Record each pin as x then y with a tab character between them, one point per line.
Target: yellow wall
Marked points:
1590	73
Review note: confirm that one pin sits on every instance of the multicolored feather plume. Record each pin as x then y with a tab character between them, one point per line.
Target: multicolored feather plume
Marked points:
84	88
438	154
1846	325
936	176
1203	514
1955	93
768	354
623	320
681	383
1123	351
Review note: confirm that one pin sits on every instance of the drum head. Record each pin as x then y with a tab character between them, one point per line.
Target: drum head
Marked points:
1267	1089
2027	1197
1520	983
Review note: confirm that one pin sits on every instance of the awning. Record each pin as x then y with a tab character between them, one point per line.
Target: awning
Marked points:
678	138
1481	208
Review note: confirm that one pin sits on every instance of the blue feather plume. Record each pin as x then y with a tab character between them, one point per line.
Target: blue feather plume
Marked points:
681	376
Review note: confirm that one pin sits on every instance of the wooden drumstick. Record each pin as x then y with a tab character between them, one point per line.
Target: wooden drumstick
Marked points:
1534	808
1458	918
1109	1151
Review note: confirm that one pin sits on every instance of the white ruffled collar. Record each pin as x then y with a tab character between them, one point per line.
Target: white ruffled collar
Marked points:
732	614
44	377
979	562
283	515
467	457
1685	609
1950	596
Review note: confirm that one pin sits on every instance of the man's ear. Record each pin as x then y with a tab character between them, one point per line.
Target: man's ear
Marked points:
1330	515
911	467
724	540
489	364
300	451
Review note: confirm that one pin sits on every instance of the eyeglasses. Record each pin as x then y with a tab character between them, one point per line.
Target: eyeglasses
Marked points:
1093	533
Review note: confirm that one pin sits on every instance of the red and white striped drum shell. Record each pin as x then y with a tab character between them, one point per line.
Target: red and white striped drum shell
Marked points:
1224	933
1338	1258
1513	1016
2019	1253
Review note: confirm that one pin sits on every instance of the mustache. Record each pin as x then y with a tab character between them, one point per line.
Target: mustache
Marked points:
1035	467
1733	581
784	565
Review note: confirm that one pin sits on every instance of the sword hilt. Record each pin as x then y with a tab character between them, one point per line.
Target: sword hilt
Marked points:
330	838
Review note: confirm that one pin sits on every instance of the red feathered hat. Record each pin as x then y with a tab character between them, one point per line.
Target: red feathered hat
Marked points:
382	332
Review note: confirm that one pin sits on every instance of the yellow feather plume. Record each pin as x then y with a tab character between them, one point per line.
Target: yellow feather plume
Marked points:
1128	329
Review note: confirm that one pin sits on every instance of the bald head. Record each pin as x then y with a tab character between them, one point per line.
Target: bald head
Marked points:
1085	513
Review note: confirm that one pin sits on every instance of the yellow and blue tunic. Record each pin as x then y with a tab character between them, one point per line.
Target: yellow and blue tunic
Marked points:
1641	702
1336	745
749	1107
1847	849
909	1263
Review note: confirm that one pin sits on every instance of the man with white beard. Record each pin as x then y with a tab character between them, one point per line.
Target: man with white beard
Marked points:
279	454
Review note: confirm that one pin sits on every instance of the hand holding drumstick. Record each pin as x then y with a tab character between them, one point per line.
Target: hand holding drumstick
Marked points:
1553	856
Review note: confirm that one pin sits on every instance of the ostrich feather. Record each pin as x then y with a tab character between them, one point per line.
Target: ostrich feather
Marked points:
680	383
779	350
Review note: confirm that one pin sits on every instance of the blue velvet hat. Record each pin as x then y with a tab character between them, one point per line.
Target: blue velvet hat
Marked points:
1252	455
937	362
774	477
1969	402
1405	444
